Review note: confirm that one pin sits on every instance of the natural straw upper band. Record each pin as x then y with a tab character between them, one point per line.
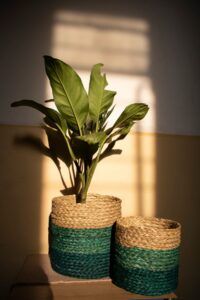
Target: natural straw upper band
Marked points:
148	233
99	211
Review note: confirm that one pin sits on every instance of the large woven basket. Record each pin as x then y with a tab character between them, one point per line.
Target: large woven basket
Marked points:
80	235
146	255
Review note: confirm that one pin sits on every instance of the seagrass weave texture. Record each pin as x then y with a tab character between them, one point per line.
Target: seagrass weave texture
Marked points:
81	235
98	211
82	253
146	259
148	232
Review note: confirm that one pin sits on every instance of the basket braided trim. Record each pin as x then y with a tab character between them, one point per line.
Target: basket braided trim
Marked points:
148	233
155	260
144	281
97	212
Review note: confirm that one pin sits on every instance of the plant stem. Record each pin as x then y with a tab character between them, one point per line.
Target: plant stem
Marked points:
67	142
90	172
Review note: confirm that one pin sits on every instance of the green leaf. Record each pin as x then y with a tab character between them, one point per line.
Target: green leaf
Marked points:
108	98
87	145
58	146
92	167
99	99
121	134
50	113
69	94
84	150
93	138
52	117
49	122
109	151
104	118
132	112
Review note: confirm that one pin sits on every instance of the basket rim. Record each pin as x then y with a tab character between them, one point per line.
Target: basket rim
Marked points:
140	222
97	212
71	199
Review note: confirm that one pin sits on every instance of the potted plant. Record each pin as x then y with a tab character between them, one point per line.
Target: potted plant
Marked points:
81	223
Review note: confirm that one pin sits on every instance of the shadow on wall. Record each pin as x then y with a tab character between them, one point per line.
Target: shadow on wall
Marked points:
24	39
166	63
175	76
178	164
20	203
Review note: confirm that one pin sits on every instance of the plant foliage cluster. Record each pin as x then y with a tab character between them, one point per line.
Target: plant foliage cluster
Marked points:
80	120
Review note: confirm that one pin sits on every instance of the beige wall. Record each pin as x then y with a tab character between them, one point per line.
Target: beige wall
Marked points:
151	54
149	49
155	175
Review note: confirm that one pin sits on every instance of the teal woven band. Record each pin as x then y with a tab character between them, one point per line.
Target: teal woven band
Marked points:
83	253
84	241
145	271
144	281
81	265
155	260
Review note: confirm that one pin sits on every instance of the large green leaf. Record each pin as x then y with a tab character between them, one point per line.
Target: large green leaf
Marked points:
99	99
120	135
52	118
132	112
87	145
57	146
108	98
93	138
50	113
69	94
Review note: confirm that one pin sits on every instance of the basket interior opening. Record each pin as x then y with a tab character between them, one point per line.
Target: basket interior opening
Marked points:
149	223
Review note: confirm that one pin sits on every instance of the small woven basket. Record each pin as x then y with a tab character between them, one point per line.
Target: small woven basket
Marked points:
80	235
146	255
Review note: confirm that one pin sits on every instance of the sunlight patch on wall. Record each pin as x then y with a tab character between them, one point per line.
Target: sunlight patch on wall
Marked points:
85	39
123	45
147	176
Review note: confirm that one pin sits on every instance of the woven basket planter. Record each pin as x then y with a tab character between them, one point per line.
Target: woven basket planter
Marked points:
146	255
80	235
